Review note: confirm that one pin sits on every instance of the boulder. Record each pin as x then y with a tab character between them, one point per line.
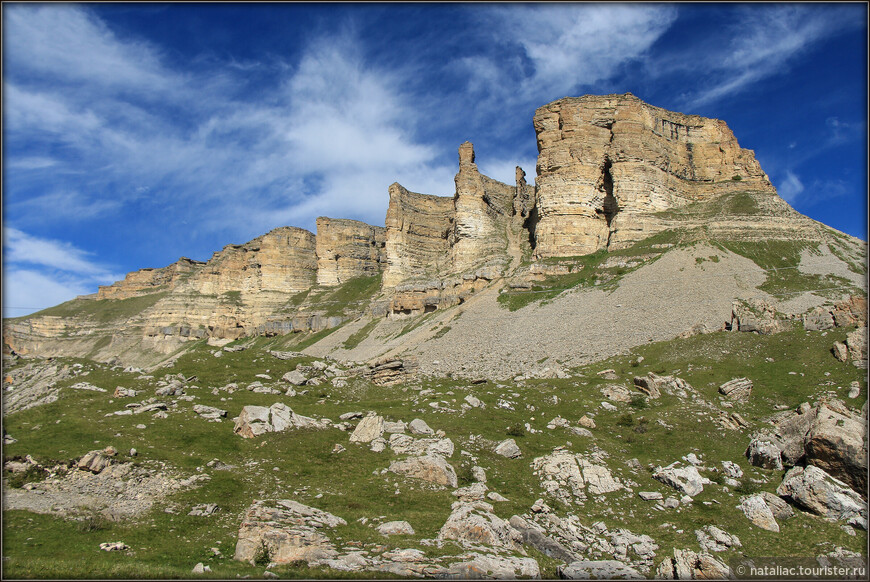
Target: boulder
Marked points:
571	477
94	461
394	528
474	402
494	567
295	377
598	570
402	444
713	539
765	453
684	479
779	508
836	443
369	428
856	341
616	393
533	535
756	510
508	448
688	565
732	470
649	385
737	389
813	489
473	524
209	412
418	426
285	531
431	468
253	421
840	351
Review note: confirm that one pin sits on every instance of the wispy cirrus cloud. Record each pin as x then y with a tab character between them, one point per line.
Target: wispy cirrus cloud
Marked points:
558	49
762	41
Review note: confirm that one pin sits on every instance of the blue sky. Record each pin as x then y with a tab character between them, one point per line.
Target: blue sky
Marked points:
138	133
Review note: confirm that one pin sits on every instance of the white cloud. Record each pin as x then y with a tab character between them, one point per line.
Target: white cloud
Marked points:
790	188
20	247
571	46
70	204
31	163
764	40
71	44
26	290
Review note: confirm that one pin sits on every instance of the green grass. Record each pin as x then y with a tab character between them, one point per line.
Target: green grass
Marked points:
360	335
350	295
169	545
103	310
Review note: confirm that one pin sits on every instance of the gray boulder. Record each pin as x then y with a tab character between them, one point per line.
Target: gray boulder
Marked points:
814	490
598	570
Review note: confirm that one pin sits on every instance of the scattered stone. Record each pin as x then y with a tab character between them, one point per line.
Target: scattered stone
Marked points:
854	390
287	531
369	428
616	393
598	570
608	374
684	479
840	351
475	524
201	568
403	444
713	539
350	415
338	448
204	509
755	508
394	427
650	495
393	528
418	426
608	406
209	412
479	474
535	536
114	546
295	377
737	389
431	468
508	448
474	492
493	496
764	452
816	491
732	470
586	422
87	386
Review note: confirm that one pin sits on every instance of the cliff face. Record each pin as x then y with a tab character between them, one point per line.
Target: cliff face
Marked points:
611	171
146	281
433	237
348	249
418	227
607	163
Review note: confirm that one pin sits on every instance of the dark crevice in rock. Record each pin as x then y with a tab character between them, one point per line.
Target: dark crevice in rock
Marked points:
610	207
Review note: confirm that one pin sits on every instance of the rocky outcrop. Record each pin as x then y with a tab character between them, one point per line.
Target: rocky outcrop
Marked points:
814	490
146	281
347	249
417	230
285	531
432	237
606	164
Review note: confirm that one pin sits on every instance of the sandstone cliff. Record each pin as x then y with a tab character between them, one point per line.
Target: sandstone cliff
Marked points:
612	171
606	164
146	281
347	249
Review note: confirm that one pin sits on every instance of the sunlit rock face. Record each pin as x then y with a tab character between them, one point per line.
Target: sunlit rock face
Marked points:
347	249
607	164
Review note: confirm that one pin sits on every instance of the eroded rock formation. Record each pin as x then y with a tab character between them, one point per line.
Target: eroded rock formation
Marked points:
146	281
347	249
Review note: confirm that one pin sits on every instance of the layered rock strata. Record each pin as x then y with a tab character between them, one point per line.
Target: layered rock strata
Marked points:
146	281
606	163
347	249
